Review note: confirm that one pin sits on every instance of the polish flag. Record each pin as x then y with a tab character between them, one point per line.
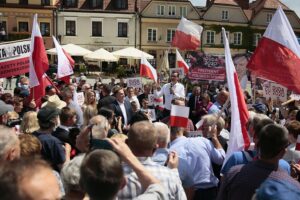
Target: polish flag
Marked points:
187	35
65	63
277	56
179	116
298	143
181	63
238	139
159	103
147	70
38	64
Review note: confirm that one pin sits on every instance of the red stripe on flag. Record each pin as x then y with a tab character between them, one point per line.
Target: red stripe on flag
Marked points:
183	66
179	121
146	71
184	41
276	62
243	111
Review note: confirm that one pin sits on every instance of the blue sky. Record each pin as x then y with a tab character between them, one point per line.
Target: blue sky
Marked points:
292	4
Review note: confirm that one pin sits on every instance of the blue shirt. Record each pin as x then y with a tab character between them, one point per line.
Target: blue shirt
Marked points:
238	158
160	156
195	161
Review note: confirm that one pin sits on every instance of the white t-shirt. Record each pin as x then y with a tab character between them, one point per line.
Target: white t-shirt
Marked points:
179	91
122	106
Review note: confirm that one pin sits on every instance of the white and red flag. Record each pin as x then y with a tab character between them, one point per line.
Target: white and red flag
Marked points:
238	138
179	116
277	56
187	35
146	69
181	63
65	63
38	64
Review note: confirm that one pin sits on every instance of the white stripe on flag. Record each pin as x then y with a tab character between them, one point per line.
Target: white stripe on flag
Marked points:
180	111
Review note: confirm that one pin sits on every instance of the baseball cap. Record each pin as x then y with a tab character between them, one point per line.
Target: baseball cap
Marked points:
46	113
4	108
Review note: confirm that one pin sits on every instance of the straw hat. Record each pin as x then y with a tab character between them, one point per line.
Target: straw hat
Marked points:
54	102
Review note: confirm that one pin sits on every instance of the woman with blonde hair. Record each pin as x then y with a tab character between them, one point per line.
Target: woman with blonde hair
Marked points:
90	99
89	112
29	123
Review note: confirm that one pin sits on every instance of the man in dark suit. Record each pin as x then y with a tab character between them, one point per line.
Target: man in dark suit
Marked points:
147	90
106	100
193	100
67	120
122	107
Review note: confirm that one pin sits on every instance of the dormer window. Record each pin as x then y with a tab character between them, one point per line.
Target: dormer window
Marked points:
224	15
96	3
121	4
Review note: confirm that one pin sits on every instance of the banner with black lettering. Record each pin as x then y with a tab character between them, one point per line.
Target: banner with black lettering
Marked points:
14	58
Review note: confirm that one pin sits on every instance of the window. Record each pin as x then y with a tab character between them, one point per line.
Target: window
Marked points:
97	29
183	11
172	10
23	2
70	3
170	34
70	28
96	3
160	10
122	29
269	17
3	26
152	34
45	28
222	39
120	4
257	37
210	37
45	2
23	27
237	38
224	14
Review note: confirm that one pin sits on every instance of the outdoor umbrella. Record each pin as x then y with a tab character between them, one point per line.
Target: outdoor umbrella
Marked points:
72	49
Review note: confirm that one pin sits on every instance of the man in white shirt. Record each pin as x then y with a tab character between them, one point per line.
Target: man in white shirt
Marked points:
171	90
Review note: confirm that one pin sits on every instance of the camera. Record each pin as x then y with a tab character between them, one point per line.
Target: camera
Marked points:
13	122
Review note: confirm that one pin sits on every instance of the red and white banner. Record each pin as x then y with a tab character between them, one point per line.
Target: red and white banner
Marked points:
277	56
65	63
146	70
238	139
38	64
14	58
298	143
179	116
187	35
181	63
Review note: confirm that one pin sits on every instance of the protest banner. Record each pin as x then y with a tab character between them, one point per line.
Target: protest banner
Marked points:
134	82
151	98
278	92
179	70
152	115
80	98
206	67
14	58
267	90
295	97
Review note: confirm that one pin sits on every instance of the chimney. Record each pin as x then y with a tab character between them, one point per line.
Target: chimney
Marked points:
244	4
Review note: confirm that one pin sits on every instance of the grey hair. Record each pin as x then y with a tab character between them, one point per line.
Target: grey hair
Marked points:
163	132
100	128
7	139
70	174
212	119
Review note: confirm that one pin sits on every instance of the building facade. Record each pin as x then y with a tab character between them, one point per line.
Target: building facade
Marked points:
17	15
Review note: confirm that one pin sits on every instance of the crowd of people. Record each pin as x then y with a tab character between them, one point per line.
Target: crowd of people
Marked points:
110	146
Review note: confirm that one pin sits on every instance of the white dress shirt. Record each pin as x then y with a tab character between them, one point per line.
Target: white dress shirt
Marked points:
179	91
122	106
